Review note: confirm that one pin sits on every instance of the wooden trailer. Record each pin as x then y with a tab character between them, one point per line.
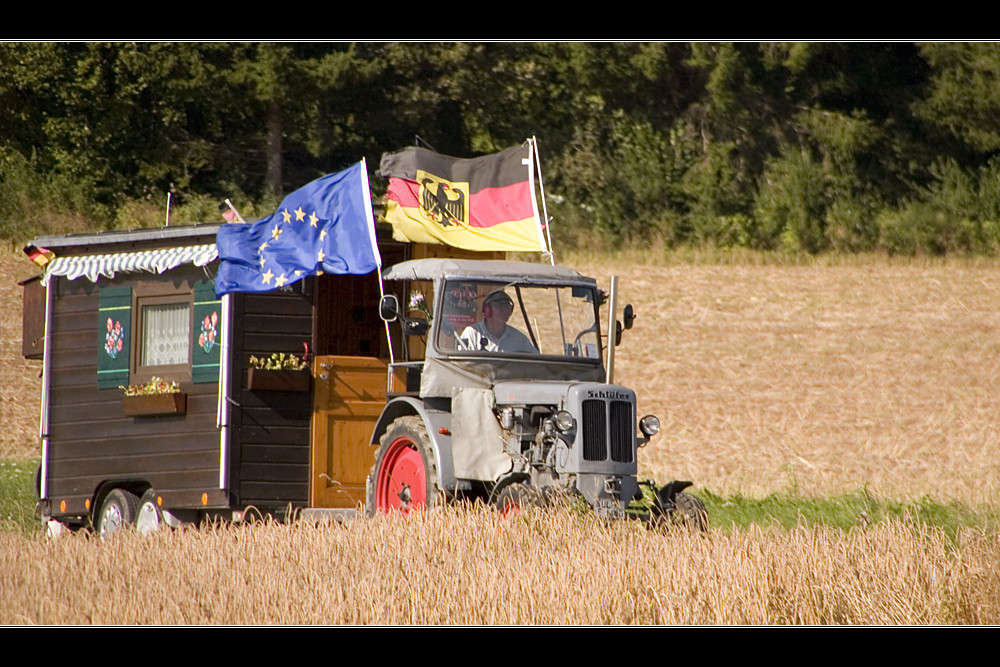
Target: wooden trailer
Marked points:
119	308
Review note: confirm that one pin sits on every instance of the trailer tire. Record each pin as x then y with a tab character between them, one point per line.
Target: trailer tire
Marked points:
117	512
404	477
148	516
690	510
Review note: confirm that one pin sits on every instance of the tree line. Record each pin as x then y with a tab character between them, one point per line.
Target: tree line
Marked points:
808	147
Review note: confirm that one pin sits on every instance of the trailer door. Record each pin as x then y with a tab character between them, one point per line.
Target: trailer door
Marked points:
350	372
348	397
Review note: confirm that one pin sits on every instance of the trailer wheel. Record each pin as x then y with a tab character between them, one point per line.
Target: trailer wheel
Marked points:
690	510
117	512
516	496
149	516
404	477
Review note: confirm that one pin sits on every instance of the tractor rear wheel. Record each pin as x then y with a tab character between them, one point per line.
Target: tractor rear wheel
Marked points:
404	477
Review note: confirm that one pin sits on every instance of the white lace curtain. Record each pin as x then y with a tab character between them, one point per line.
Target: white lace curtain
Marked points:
165	334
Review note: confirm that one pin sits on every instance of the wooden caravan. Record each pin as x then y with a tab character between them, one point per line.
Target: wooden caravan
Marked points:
122	308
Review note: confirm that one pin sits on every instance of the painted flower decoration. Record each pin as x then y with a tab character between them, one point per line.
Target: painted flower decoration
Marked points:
206	340
115	339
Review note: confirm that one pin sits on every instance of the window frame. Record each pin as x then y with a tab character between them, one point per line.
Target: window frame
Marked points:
153	294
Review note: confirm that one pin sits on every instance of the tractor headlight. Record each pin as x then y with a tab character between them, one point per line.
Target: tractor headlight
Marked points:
649	425
564	421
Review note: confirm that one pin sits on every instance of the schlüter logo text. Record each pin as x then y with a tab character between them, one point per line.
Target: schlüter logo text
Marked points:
609	394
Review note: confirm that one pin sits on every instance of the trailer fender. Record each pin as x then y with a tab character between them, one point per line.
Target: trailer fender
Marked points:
438	425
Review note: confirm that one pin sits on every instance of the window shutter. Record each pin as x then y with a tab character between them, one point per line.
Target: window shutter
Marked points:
114	337
206	334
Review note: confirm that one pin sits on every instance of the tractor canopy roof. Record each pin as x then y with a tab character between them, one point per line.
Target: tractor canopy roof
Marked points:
493	270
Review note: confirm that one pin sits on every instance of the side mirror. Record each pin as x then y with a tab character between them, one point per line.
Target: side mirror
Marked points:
388	308
629	316
618	333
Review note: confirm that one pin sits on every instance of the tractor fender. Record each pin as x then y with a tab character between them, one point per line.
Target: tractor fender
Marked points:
438	423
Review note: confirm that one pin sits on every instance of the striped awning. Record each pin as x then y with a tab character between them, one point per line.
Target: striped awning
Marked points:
93	267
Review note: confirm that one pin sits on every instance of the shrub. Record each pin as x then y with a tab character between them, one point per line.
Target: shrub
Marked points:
917	229
791	202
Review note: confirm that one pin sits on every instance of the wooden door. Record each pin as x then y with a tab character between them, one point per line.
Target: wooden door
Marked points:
348	397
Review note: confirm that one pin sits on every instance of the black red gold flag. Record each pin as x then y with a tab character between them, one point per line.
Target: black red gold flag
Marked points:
483	203
40	256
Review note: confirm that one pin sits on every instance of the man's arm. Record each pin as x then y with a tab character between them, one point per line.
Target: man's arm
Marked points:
472	339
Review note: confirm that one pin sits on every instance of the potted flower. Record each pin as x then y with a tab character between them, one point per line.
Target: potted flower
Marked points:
418	302
279	372
156	397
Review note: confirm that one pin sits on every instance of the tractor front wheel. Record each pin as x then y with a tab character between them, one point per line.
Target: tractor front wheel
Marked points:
517	496
690	510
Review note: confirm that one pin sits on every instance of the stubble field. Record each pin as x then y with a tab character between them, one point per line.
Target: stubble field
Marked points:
806	381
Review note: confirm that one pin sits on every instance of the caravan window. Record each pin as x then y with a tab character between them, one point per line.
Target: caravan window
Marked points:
163	340
166	331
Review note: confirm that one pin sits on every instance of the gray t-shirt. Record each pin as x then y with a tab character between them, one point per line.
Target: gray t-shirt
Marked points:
478	337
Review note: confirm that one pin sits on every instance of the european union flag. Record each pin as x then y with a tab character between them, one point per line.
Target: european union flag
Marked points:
325	227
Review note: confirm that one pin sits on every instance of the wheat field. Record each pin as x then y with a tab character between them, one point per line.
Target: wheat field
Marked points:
808	379
469	566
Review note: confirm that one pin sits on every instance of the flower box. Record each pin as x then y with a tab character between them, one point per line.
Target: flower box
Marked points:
155	404
274	379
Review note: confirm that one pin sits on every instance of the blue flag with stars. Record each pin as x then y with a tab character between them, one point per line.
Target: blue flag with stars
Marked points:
325	227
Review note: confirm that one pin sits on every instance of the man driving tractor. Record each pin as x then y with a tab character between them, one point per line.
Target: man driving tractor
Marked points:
492	334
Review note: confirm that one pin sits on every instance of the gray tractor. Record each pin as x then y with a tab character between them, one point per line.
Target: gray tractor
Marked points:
507	397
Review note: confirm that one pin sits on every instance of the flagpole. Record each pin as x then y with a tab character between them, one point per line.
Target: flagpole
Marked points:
545	211
369	211
235	212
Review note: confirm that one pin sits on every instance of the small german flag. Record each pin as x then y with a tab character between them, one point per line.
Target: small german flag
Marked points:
40	256
484	203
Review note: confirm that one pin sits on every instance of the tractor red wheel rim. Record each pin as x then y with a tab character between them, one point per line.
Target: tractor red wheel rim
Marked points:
511	508
402	480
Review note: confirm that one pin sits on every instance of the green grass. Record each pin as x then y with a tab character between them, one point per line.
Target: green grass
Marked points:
844	512
18	497
17	508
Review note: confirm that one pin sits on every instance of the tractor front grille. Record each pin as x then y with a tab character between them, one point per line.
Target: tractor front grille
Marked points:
608	424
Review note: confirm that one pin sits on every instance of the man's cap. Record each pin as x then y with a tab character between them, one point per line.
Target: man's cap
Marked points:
498	296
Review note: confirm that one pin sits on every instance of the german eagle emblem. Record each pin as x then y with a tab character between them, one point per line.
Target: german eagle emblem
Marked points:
444	202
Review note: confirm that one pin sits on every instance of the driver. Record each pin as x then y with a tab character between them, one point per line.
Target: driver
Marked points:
492	333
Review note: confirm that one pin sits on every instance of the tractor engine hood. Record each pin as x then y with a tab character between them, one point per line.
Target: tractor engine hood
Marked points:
556	393
442	376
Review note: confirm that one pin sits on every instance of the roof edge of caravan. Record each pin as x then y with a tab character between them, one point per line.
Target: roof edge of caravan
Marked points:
183	234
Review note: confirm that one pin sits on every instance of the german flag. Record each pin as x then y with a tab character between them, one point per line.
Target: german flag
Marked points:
483	203
40	256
